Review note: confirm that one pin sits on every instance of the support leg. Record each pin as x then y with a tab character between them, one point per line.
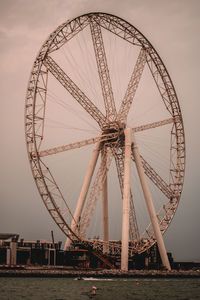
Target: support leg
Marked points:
126	200
105	225
150	206
84	191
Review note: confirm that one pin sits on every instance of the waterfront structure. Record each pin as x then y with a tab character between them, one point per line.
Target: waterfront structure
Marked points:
19	252
89	43
16	252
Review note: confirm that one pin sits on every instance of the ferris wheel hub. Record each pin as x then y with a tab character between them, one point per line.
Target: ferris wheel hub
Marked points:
117	129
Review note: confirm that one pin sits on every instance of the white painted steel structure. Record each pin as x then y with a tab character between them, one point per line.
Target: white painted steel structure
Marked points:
90	48
126	199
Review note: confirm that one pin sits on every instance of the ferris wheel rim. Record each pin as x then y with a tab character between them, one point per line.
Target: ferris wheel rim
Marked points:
31	132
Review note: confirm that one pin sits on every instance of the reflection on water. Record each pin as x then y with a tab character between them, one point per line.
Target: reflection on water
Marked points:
107	289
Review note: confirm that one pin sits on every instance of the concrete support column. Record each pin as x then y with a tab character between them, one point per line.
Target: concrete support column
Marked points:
126	200
105	225
150	206
8	254
84	191
13	253
51	254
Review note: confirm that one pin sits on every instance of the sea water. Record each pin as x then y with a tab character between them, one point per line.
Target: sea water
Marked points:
107	289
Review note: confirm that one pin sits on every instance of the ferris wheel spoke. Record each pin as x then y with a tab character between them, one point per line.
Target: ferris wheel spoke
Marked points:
134	231
76	145
74	90
94	195
155	124
103	70
156	179
132	86
102	138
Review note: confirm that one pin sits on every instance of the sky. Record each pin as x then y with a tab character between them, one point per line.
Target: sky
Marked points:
172	27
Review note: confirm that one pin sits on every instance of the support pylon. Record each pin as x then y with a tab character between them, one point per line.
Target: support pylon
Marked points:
84	191
105	224
150	206
126	200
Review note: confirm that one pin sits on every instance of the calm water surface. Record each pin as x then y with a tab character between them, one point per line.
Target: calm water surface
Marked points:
107	289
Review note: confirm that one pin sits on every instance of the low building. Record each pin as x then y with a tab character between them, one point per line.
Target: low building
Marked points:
15	251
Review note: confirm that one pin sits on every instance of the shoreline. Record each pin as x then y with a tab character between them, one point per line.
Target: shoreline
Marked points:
103	273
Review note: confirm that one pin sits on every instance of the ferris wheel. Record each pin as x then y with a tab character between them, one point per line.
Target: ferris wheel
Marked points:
105	135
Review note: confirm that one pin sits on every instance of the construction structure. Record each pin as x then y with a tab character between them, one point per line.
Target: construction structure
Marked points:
80	62
17	252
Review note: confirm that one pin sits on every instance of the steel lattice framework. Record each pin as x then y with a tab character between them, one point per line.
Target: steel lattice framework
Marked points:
111	141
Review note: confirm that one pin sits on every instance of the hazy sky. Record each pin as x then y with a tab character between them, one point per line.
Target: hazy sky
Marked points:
171	26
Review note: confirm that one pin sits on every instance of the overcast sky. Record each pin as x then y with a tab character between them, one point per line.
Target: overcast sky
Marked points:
171	26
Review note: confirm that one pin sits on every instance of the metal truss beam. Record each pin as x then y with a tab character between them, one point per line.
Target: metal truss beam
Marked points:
155	124
74	90
132	87
61	35
156	178
165	216
169	97
103	70
101	138
76	145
